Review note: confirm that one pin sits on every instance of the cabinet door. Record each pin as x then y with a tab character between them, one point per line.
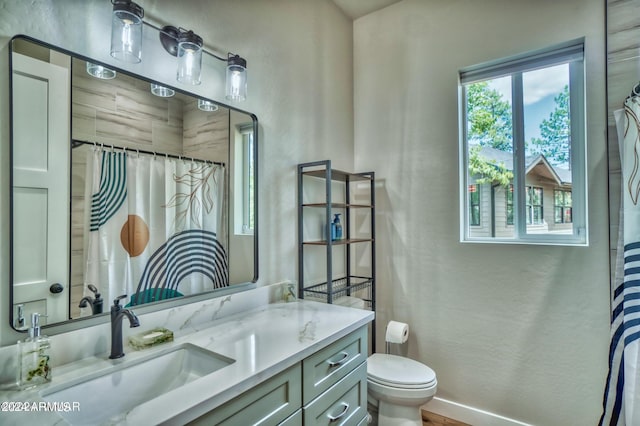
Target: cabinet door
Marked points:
293	420
344	404
267	404
324	368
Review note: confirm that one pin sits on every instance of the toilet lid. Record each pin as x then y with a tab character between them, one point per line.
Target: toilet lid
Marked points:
399	371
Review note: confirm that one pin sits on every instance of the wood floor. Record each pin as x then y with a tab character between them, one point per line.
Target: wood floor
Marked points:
432	419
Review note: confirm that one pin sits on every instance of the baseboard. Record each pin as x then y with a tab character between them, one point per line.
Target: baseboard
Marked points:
470	415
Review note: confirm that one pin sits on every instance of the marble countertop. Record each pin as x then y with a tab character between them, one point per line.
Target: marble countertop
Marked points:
263	342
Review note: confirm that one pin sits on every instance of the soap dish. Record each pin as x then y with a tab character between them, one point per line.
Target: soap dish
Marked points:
151	338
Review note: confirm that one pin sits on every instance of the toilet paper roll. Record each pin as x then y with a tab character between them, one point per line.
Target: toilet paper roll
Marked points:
397	332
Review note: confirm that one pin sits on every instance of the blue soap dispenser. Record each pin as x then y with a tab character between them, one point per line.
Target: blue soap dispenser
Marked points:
336	228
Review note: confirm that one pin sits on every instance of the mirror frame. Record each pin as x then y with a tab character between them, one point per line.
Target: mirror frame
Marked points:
82	322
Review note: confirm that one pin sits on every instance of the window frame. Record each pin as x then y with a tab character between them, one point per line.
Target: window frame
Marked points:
571	53
248	171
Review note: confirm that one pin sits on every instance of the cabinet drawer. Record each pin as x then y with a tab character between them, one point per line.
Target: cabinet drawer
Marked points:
293	420
344	404
323	369
269	403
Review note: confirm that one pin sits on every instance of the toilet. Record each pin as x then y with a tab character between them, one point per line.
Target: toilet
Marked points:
397	387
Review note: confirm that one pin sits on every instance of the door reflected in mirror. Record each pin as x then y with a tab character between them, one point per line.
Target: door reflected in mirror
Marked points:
144	194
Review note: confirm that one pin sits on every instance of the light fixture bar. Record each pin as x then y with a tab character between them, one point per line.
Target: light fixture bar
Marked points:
190	60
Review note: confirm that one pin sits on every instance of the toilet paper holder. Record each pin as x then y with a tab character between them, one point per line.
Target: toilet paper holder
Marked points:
397	333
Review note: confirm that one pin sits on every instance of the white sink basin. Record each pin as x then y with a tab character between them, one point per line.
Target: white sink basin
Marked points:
114	392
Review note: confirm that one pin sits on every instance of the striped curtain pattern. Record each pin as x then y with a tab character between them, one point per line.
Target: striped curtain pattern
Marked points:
622	390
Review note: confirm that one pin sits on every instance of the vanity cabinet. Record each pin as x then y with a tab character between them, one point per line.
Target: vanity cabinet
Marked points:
269	403
326	388
350	260
334	385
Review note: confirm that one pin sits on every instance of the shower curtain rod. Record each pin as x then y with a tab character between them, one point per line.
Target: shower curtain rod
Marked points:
77	142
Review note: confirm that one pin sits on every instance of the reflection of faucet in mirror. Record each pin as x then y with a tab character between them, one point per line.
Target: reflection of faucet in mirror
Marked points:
117	313
19	323
95	302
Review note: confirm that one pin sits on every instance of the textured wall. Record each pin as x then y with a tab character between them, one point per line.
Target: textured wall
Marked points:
520	331
299	55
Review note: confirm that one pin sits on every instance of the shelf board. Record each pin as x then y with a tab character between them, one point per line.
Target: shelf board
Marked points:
339	205
338	175
338	242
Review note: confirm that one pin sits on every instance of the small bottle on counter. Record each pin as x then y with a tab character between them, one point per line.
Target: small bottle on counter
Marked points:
33	357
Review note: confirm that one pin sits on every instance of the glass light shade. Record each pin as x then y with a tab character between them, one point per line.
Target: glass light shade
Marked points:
126	32
236	89
207	106
100	71
189	62
162	91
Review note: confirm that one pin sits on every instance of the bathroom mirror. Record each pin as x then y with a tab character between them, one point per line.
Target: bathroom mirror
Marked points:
118	190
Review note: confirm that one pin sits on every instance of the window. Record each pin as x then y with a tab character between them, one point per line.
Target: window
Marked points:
509	202
523	140
562	206
248	179
244	180
474	205
534	206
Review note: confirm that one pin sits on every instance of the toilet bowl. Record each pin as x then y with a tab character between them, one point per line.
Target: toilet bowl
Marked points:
398	386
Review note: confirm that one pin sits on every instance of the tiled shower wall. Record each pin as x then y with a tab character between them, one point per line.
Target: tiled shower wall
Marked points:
623	73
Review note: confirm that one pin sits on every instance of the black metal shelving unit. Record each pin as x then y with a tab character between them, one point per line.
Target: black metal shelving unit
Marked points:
358	285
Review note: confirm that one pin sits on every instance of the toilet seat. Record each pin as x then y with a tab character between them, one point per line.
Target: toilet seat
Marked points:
399	372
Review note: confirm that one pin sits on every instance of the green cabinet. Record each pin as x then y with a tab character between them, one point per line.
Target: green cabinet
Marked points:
326	388
269	403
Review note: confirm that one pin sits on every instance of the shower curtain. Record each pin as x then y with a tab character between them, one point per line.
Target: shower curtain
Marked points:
622	392
154	226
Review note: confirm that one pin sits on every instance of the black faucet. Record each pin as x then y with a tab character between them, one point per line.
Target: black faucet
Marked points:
117	313
95	302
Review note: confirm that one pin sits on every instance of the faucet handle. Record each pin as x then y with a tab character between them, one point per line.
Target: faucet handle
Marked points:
116	301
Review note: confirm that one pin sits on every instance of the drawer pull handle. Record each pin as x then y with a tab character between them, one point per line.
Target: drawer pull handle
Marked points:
345	409
342	359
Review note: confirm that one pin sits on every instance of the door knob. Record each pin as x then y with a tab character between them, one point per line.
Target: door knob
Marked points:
56	288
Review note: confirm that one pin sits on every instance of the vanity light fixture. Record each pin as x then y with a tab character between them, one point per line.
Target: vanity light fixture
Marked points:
189	58
126	31
100	71
162	91
207	106
236	78
187	46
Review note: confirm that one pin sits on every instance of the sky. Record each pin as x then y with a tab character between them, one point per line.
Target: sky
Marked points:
540	87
